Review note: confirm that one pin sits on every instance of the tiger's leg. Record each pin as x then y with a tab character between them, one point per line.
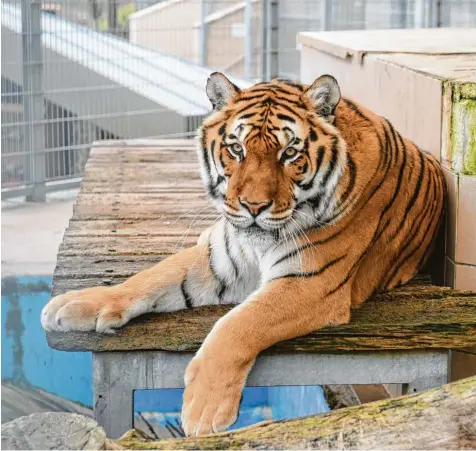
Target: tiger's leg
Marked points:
196	276
282	309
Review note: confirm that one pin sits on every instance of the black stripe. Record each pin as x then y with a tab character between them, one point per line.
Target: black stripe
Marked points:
319	127
306	246
222	129
247	107
317	272
251	98
332	161
355	109
285	117
285	107
312	135
299	105
388	164
221	284
413	199
352	176
343	206
283	91
205	150
246	116
186	295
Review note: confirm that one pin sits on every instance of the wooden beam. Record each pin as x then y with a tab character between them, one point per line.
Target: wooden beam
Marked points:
409	317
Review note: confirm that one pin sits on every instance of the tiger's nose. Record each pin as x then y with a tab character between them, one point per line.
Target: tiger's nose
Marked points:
255	208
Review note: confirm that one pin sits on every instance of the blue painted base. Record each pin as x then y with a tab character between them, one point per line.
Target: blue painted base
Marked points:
26	357
258	404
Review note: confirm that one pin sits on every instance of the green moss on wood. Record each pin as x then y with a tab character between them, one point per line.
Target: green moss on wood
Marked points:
462	150
463	91
463	136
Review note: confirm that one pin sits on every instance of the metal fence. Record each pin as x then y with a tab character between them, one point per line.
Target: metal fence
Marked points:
76	71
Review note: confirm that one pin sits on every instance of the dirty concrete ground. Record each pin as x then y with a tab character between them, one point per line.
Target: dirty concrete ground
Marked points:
32	233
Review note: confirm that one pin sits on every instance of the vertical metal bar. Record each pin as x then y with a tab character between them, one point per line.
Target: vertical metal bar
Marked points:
439	13
203	34
33	99
326	14
248	39
403	13
112	17
264	39
273	39
420	14
432	14
363	15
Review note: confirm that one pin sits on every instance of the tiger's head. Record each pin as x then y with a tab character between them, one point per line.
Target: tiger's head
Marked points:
270	157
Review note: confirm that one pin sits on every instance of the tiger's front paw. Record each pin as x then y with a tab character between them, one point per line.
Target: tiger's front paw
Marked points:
212	395
99	309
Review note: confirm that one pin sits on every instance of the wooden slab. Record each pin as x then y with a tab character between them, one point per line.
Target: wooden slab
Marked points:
415	317
137	205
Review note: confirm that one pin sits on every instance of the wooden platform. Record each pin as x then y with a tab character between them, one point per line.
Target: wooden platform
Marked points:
142	201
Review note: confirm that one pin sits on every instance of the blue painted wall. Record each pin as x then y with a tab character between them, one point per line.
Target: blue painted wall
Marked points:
26	357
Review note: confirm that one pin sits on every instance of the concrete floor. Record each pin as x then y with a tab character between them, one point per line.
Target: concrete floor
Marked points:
32	233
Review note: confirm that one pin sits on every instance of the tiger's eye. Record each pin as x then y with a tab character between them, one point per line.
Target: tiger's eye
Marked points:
236	148
290	152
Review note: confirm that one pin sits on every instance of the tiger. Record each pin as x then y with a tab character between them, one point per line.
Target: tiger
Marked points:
320	202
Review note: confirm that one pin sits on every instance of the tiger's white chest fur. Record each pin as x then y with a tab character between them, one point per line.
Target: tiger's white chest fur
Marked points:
246	260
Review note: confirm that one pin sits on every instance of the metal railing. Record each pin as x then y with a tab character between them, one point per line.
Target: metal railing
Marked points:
76	71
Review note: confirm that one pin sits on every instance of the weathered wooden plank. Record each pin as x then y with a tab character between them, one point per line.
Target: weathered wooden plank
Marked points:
166	199
122	171
158	186
441	418
140	227
119	205
99	268
129	212
134	245
415	317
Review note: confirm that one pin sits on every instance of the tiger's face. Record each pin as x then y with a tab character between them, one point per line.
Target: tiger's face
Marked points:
270	158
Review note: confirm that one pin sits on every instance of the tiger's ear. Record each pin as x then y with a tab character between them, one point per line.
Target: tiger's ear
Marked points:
324	95
220	90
